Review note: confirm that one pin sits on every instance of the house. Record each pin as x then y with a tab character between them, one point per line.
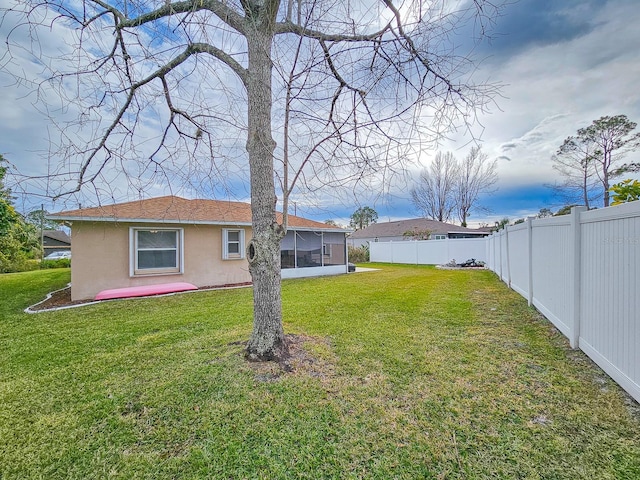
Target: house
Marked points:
413	229
172	239
55	241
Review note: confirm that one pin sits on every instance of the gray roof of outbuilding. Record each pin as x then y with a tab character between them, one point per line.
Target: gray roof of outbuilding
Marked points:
57	235
400	227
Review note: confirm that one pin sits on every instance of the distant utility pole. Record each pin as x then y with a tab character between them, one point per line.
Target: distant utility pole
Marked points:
41	233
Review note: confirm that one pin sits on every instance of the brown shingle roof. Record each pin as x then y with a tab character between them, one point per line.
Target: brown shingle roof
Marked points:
172	209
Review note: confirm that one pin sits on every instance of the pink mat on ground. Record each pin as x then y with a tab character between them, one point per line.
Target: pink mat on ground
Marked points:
145	290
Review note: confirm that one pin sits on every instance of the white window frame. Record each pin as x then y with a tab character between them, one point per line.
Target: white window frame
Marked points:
225	244
439	236
134	271
326	249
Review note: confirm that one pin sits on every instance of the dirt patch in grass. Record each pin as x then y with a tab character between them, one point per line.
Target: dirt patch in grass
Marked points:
308	356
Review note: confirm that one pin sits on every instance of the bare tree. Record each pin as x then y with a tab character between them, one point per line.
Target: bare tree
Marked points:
575	161
448	185
196	80
434	194
476	175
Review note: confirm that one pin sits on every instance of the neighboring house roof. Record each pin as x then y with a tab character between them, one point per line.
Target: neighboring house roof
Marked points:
398	228
58	235
172	209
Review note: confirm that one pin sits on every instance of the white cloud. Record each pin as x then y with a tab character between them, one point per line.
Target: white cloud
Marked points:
550	91
555	89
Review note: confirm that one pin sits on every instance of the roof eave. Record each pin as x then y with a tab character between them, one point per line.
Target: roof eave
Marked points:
72	218
312	229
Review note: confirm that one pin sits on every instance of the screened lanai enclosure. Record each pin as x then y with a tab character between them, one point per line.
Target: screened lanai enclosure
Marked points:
311	253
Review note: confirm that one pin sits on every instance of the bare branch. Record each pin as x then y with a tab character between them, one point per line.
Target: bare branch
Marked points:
220	9
289	27
433	193
132	90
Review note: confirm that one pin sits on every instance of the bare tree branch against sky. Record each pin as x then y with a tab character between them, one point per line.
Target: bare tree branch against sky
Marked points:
564	64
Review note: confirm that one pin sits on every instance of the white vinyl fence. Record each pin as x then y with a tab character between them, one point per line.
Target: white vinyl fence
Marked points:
581	271
429	252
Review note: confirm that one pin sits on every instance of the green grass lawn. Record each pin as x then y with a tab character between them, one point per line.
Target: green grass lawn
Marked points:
411	372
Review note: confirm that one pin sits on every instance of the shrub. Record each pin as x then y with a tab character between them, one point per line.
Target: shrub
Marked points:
359	254
59	263
17	263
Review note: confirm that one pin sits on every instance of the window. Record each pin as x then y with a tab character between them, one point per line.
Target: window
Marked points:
156	251
288	250
308	249
232	244
299	249
334	249
439	237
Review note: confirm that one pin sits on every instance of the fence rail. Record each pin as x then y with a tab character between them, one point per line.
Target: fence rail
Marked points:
580	271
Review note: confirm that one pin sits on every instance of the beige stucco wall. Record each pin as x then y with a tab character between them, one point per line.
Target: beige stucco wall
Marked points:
100	258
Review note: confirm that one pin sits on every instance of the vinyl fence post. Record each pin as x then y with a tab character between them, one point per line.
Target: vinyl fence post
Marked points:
496	253
500	252
487	252
575	264
506	232
530	263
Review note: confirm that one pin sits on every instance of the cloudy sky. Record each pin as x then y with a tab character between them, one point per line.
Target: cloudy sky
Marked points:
562	64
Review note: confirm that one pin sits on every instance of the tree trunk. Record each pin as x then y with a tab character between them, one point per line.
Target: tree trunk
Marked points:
465	213
585	190
267	341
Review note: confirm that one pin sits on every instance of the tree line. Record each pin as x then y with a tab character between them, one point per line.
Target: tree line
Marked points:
20	235
19	238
